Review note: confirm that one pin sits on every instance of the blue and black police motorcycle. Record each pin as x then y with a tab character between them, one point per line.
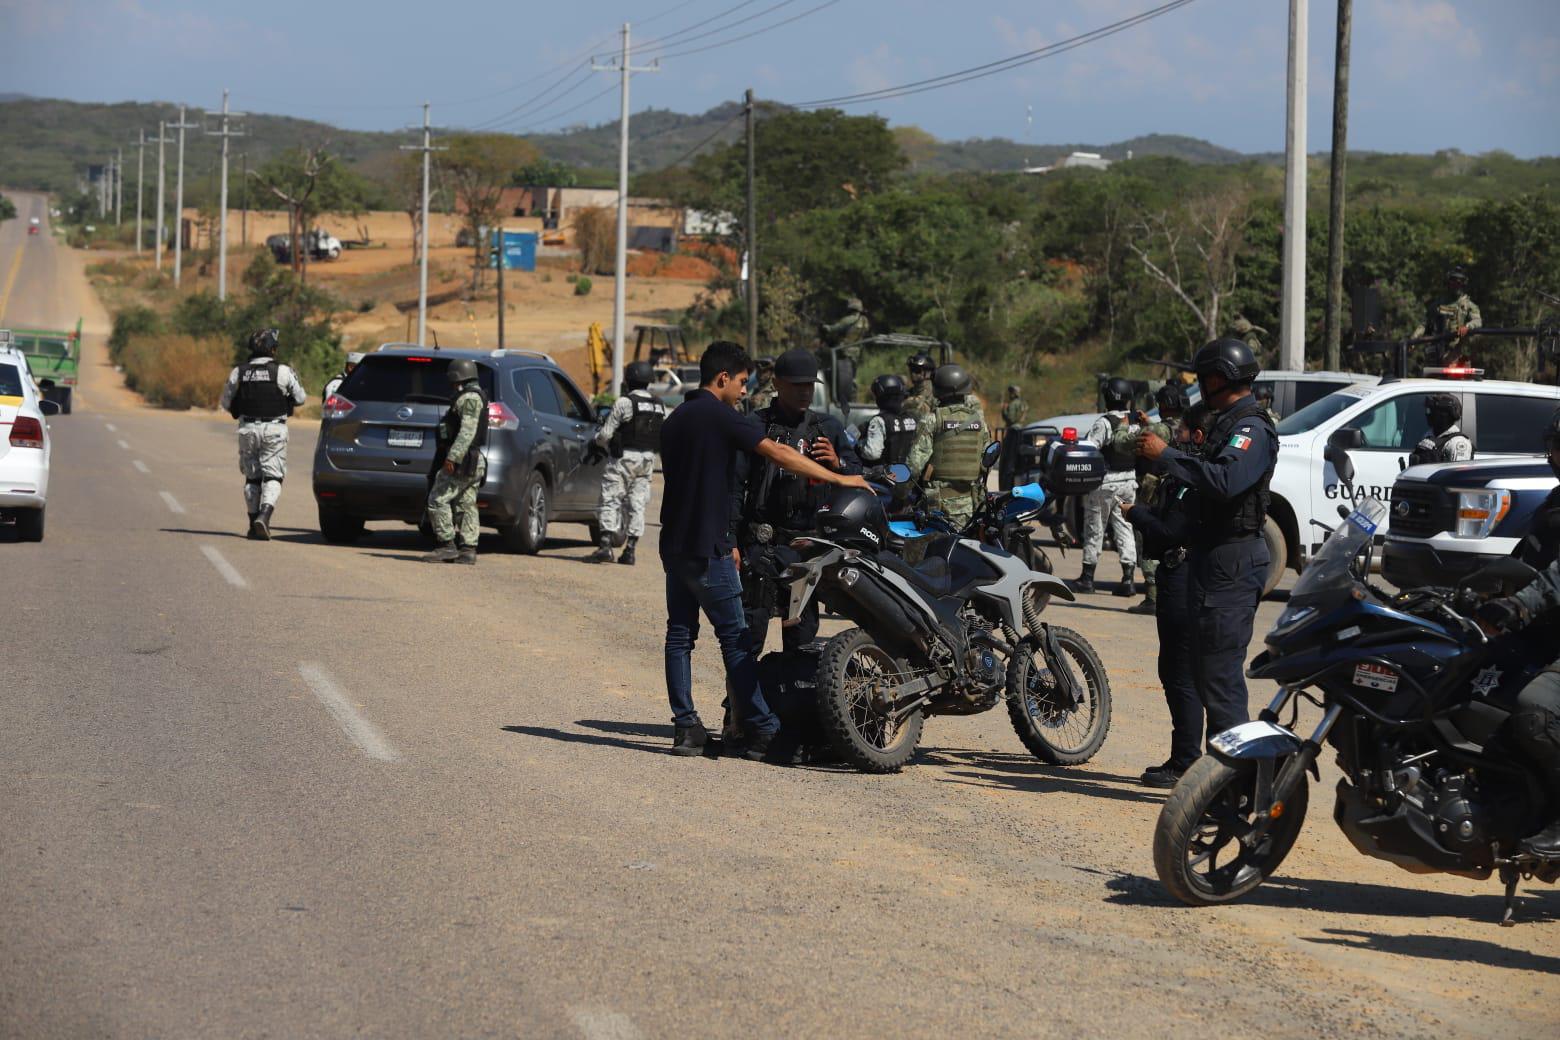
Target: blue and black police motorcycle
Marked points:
947	623
1414	697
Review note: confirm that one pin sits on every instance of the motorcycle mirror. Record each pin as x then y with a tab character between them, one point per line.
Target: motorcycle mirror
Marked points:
1503	577
989	457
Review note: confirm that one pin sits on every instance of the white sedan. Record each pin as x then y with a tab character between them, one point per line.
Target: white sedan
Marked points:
24	448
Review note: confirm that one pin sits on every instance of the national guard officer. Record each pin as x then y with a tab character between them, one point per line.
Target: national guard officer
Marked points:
1447	442
1452	313
261	395
632	435
776	505
763	387
948	447
1166	516
353	361
1264	396
1228	556
1173	403
1102	506
459	468
890	433
921	402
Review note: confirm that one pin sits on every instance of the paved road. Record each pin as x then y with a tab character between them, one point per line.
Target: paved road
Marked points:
294	790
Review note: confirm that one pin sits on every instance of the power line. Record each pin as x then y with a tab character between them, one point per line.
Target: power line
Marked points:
662	40
755	32
992	68
667	41
696	149
532	103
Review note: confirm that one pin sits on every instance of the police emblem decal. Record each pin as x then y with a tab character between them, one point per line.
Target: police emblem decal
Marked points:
1487	681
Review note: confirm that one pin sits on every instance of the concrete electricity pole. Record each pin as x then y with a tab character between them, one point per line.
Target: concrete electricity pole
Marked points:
1291	325
222	235
620	279
752	234
119	187
162	205
1340	152
140	183
178	202
427	149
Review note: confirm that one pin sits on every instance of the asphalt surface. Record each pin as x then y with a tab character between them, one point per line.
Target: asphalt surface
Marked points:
291	789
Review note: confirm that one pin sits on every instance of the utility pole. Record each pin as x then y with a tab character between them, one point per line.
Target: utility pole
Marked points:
620	279
222	209
178	202
243	201
140	183
1340	154
427	149
499	253
119	187
162	205
1291	325
752	234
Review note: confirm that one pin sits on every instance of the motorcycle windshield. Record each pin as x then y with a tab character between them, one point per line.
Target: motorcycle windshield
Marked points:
1329	571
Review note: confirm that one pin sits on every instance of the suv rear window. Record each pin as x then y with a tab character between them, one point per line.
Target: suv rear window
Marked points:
10	381
411	377
1512	425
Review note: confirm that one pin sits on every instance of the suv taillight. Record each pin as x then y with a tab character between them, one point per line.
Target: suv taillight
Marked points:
336	407
501	418
27	432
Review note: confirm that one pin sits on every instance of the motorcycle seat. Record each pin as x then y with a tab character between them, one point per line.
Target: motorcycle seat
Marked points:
930	575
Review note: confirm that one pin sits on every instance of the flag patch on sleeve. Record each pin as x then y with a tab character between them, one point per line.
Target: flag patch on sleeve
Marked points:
1240	441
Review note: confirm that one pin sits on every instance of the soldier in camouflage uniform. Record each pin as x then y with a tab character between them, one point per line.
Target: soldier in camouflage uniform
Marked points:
632	436
952	443
1264	395
1173	402
1015	412
261	395
763	392
1451	313
1248	333
844	334
459	468
921	402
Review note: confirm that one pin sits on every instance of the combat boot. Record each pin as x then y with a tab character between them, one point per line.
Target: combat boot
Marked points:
603	553
1085	582
627	555
1150	601
253	535
260	526
446	553
466	555
1545	844
1127	587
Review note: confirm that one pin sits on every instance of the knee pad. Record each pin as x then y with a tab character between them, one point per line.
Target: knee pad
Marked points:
256	482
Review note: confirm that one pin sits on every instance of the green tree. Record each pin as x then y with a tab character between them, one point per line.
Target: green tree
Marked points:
478	167
7	209
309	182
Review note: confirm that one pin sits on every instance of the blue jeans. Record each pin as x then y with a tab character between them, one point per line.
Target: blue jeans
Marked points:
712	585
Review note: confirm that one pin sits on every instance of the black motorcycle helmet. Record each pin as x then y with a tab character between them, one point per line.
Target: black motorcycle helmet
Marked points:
1442	410
950	382
888	390
1172	400
263	343
1552	441
920	364
1457	278
638	374
461	371
1230	358
854	518
1117	393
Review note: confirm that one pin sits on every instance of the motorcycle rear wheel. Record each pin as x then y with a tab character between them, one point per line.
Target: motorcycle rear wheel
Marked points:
866	738
1203	821
1057	733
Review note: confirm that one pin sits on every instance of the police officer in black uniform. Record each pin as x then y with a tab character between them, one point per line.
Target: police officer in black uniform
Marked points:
775	506
890	432
1228	557
1541	546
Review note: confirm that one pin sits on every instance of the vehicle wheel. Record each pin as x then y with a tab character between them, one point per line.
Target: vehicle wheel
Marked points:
1199	851
618	537
339	528
850	666
335	254
29	525
1054	729
1278	555
529	531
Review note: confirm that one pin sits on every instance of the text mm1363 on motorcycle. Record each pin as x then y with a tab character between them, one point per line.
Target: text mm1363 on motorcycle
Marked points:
1415	699
952	633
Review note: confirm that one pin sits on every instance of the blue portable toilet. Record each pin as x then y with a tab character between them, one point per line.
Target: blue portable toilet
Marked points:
518	251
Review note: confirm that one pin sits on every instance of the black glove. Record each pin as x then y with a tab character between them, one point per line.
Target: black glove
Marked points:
595	453
1504	615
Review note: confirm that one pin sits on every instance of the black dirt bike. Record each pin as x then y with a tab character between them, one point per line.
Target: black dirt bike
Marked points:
1414	696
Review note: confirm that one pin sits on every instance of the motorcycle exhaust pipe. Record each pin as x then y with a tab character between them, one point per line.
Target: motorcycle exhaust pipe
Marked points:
874	608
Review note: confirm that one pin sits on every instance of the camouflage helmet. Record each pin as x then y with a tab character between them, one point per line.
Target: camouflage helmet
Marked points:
637	374
853	305
1013	391
264	343
461	371
1241	325
764	364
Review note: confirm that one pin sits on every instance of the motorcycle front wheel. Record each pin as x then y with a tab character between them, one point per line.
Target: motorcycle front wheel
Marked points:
1201	847
851	669
1054	728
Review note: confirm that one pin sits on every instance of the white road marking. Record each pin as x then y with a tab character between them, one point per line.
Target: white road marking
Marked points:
172	503
110	427
358	729
140	466
596	1024
124	444
227	570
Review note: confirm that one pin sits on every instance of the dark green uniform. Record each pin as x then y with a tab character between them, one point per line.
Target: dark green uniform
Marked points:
952	443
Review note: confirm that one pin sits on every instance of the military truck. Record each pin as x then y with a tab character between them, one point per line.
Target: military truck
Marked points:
54	359
848	370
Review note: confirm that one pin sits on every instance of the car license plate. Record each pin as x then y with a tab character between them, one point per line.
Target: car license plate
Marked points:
405	439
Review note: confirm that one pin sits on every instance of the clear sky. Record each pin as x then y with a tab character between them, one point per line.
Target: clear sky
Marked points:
1427	74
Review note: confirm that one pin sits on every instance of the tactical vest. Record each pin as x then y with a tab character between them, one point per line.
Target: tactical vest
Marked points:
956	444
1433	449
1120	455
1243	515
449	428
258	395
643	431
899	431
778	498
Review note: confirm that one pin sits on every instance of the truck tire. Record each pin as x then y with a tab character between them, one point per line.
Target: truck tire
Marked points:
339	528
1278	555
29	525
67	396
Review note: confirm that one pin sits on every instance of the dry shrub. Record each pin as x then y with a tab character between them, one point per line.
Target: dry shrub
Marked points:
177	371
595	232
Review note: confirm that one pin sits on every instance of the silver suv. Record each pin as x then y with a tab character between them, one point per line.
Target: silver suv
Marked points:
375	451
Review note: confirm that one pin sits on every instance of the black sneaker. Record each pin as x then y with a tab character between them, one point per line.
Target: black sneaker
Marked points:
1165	776
757	748
690	740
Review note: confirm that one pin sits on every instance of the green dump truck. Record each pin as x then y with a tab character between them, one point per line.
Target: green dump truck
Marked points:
53	357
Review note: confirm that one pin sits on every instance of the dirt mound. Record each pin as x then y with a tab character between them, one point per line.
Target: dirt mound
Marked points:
671	265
